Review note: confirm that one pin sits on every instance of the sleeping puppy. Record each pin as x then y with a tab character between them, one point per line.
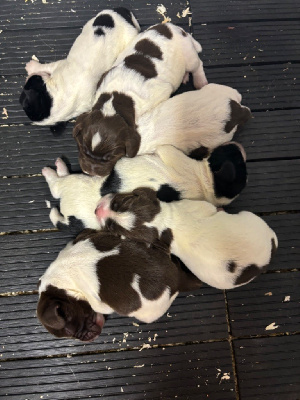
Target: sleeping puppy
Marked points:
101	273
223	250
63	89
144	75
174	176
208	117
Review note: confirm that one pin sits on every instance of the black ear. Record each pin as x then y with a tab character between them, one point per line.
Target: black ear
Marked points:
227	172
51	314
132	143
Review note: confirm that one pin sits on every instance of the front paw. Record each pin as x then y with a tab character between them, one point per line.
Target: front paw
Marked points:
49	174
32	66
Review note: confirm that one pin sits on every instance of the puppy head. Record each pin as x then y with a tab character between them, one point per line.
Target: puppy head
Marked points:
35	99
64	316
128	210
102	140
228	166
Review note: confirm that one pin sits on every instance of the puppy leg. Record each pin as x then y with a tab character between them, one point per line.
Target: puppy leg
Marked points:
53	181
193	63
57	218
32	67
61	168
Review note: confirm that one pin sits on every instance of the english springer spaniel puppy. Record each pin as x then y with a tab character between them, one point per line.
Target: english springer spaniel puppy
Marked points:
208	117
64	89
174	176
223	250
144	75
101	273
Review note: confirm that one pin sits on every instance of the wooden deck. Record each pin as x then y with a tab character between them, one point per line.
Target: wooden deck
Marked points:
211	344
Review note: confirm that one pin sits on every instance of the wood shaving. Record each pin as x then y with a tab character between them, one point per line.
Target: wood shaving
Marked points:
287	298
271	327
48	204
135	324
268	294
139	366
4	112
186	12
34	58
225	377
161	9
145	346
45	2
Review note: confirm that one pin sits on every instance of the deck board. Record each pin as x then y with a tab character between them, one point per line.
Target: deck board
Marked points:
209	344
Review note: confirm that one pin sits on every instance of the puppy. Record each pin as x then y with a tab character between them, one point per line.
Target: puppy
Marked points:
63	89
217	179
100	273
223	250
144	75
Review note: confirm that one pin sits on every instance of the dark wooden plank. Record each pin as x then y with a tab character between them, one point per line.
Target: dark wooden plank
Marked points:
271	298
192	317
249	42
175	372
69	13
268	368
240	10
272	186
263	87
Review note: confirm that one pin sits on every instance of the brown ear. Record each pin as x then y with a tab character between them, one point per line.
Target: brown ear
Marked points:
145	192
77	129
85	234
132	143
48	313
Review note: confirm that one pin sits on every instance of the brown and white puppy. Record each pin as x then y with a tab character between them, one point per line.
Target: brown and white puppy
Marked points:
101	273
223	250
174	176
144	75
64	89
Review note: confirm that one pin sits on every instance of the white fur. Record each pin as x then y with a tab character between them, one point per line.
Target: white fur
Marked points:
151	309
179	55
72	82
206	240
189	120
75	271
96	140
79	193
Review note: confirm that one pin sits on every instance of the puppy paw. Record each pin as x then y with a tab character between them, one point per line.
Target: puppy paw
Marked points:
186	78
49	174
32	66
55	216
199	81
61	168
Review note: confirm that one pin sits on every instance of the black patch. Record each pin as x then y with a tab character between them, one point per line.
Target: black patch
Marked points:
126	14
75	225
167	237
232	266
248	274
239	116
188	281
141	64
99	32
58	128
148	48
167	194
274	248
229	170
112	184
104	20
163	30
199	154
35	99
183	32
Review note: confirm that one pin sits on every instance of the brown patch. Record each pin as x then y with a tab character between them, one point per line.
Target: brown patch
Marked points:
103	77
239	115
167	237
148	48
103	98
273	248
183	32
141	64
188	281
248	273
64	316
199	154
163	30
231	266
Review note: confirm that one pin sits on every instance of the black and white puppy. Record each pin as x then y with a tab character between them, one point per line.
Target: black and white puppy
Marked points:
64	89
101	273
174	176
223	250
144	75
208	117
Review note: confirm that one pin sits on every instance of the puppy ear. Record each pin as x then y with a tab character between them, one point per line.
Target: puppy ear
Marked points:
85	234
145	192
51	314
227	172
132	143
78	124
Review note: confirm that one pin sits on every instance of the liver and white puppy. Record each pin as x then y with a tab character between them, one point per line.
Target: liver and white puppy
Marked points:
100	273
63	89
144	75
223	250
208	117
174	176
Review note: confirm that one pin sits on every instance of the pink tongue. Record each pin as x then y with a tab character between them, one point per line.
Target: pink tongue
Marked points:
101	212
